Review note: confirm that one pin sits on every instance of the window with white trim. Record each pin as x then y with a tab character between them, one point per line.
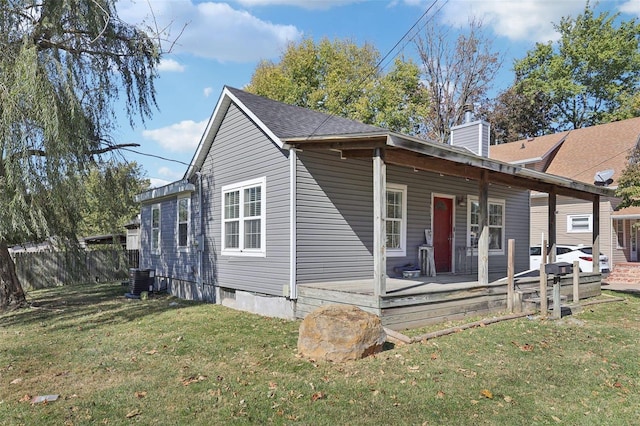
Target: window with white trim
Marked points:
618	225
243	218
496	215
579	223
396	220
155	228
184	210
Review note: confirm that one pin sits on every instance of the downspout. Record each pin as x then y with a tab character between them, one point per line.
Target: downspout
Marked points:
200	238
293	249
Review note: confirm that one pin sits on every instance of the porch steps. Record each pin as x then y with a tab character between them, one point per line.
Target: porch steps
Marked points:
624	273
531	300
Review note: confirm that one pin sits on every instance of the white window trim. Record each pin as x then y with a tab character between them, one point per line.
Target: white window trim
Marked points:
402	251
185	247
241	186
571	217
156	250
492	252
624	234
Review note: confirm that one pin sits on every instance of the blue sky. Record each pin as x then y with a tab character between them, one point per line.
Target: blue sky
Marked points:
222	42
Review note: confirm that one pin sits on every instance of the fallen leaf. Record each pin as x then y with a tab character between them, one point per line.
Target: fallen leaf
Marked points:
25	398
133	413
273	385
486	393
440	394
508	399
557	420
152	352
15	381
140	394
318	395
193	379
617	385
434	356
526	347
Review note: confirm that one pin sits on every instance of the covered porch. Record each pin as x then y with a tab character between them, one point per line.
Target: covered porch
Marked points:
403	303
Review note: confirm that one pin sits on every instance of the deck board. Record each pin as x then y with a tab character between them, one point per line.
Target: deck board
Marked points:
426	300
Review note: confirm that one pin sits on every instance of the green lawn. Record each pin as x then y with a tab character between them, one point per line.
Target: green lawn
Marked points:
169	362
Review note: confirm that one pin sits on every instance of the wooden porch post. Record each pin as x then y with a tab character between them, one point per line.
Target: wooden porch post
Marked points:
551	225
483	228
596	234
379	226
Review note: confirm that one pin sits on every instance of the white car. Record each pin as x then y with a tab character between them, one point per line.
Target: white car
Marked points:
569	253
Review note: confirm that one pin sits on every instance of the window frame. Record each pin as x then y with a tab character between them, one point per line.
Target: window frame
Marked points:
155	248
402	250
243	219
571	226
495	201
188	223
618	222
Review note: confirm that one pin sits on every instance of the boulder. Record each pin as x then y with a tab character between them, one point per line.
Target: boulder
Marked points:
340	333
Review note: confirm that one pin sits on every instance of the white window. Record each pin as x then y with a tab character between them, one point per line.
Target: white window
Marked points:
579	223
155	228
184	210
243	218
396	220
620	236
496	217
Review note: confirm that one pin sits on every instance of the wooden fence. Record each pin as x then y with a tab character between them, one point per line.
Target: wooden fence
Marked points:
50	269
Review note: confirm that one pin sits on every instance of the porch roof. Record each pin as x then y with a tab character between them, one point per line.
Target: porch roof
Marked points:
448	160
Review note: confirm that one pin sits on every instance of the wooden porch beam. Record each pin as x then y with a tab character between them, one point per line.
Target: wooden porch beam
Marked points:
379	228
358	153
337	144
483	228
595	258
551	225
467	171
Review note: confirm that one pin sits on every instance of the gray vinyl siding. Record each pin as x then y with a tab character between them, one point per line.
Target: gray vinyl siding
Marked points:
335	217
169	261
241	152
470	135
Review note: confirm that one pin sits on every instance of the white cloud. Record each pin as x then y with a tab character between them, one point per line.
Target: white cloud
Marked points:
180	137
157	182
213	30
530	20
632	7
207	91
304	4
170	173
171	66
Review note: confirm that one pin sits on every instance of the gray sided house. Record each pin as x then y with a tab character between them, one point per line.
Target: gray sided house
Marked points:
279	200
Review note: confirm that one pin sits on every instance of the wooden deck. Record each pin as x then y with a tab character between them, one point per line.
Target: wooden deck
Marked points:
411	303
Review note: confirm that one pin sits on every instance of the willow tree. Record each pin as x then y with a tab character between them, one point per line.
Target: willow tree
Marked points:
64	66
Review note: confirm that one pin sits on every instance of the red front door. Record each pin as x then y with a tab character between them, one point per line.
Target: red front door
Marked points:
442	233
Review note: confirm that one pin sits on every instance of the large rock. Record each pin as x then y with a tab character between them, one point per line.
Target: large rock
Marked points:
340	333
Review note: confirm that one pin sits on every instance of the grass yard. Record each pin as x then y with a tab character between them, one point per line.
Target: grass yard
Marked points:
169	362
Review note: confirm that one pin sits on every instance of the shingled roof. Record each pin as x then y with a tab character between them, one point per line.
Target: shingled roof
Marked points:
581	153
290	121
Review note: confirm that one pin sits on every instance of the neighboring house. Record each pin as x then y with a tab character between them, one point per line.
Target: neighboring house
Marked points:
278	197
595	155
133	234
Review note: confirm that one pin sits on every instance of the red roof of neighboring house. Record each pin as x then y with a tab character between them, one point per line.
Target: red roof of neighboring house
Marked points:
581	152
